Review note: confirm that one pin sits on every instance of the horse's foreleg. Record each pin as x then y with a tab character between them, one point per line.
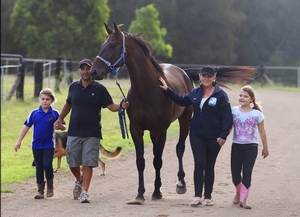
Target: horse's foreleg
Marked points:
157	163
158	147
140	162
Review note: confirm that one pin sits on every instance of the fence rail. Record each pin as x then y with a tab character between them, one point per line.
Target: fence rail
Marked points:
11	64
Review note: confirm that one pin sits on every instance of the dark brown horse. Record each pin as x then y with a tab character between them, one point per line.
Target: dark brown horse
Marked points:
150	108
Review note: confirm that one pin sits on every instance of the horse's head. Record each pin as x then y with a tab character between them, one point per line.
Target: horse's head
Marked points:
111	54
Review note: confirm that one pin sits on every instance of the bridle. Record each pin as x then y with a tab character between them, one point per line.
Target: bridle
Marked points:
122	57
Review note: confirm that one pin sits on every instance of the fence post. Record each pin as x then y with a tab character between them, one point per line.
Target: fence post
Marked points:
69	71
20	87
298	78
57	75
38	78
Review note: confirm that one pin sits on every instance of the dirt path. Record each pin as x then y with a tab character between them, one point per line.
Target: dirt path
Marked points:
275	186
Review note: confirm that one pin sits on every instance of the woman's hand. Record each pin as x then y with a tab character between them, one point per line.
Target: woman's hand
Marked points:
221	141
164	85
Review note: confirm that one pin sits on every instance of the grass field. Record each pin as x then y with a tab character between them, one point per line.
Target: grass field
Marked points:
16	166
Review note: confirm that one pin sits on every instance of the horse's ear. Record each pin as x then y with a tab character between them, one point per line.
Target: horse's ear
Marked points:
116	28
108	29
120	25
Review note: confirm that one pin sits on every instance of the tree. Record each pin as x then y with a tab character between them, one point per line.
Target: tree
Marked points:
7	45
51	29
200	31
270	34
147	22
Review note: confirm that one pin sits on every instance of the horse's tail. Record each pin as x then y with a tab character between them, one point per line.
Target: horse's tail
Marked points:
226	75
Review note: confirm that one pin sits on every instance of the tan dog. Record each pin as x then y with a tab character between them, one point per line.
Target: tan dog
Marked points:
60	151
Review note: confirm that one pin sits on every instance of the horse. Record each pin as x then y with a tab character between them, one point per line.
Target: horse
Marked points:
150	108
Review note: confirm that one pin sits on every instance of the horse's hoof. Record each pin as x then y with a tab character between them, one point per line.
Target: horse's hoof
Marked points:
140	198
156	196
136	202
180	189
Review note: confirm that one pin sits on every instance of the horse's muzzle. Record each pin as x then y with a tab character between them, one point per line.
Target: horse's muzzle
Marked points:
93	73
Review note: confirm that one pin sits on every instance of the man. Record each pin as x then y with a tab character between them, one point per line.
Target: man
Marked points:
85	98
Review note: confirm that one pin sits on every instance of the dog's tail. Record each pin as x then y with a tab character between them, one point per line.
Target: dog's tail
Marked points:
110	154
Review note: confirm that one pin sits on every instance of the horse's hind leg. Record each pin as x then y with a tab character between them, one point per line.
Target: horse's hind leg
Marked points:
180	148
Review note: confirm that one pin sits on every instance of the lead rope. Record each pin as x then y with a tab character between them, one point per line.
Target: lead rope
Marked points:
122	117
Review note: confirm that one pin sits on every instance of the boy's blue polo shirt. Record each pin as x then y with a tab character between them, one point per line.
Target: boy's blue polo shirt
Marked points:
43	132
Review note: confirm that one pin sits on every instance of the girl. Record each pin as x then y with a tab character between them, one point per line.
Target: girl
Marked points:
43	142
247	122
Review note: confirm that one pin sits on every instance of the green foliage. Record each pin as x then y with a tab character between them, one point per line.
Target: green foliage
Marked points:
228	32
50	29
147	22
270	32
6	10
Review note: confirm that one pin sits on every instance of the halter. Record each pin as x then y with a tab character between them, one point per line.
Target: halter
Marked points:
122	57
122	118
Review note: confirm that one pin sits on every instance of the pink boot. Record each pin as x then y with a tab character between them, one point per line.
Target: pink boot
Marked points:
243	197
236	198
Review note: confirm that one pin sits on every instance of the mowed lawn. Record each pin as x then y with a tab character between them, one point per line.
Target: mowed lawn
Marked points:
17	166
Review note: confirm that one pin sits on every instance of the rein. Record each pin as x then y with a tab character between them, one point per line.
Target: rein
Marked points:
122	117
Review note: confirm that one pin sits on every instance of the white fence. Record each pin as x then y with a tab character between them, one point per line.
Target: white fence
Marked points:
10	64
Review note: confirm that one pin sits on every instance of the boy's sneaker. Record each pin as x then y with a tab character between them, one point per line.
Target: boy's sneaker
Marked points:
85	197
77	190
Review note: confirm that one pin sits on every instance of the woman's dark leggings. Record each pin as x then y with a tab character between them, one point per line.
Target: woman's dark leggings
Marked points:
205	153
43	162
243	158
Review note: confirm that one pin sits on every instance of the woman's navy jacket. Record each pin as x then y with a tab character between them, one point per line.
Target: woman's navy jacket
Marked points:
214	119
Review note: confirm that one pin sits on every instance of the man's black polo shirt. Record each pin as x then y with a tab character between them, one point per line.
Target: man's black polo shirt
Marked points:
86	108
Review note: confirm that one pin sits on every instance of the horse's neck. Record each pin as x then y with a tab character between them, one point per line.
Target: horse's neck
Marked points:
142	75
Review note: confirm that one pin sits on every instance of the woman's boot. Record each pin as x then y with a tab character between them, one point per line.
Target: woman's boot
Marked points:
236	198
41	187
50	188
244	197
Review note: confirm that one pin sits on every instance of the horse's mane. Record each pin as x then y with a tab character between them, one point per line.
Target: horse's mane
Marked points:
146	48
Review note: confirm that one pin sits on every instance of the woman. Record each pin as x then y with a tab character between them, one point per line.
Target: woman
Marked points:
209	128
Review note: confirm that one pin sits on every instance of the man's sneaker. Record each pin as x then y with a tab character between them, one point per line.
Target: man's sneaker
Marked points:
77	190
208	202
84	198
